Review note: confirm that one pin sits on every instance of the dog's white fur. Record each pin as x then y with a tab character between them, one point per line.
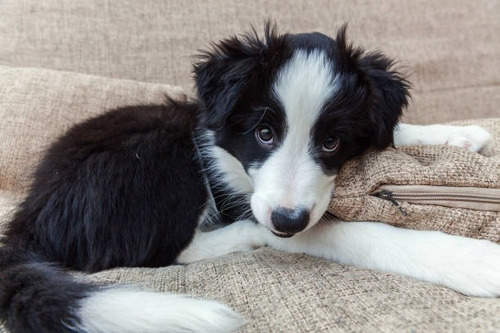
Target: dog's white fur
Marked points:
290	178
471	137
131	310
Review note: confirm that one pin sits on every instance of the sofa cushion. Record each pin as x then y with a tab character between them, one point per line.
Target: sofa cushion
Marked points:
434	187
450	48
276	292
38	105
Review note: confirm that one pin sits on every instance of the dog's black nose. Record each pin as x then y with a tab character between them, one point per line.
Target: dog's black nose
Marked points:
290	221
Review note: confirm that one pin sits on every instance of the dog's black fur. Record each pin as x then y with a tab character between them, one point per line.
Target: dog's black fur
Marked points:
128	188
104	176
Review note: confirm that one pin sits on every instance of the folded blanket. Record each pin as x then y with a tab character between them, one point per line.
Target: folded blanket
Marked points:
426	188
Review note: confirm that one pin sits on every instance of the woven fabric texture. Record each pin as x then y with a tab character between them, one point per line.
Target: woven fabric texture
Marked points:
449	48
354	196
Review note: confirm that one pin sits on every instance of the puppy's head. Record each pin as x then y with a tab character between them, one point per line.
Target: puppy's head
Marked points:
286	111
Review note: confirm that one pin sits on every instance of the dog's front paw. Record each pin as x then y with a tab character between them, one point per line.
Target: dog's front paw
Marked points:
239	236
472	138
479	271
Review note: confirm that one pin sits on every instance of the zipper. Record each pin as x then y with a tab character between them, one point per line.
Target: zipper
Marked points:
487	199
388	195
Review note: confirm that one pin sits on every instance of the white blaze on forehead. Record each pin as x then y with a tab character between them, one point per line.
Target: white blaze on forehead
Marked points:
304	85
291	177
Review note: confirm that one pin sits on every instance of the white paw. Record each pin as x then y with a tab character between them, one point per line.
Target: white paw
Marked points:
251	235
239	236
476	270
472	138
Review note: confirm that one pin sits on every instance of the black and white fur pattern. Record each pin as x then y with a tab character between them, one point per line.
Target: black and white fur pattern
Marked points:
258	151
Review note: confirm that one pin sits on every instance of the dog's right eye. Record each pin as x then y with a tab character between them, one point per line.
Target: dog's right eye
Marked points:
265	136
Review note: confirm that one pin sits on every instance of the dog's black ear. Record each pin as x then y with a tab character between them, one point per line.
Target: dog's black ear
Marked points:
390	94
222	72
388	89
219	78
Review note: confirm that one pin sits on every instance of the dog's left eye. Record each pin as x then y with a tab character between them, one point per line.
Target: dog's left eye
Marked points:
265	136
331	145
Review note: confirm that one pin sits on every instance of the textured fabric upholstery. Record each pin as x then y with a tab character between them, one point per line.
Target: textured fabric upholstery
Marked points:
276	292
450	49
129	51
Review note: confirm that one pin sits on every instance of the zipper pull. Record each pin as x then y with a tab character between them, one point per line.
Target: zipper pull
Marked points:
387	195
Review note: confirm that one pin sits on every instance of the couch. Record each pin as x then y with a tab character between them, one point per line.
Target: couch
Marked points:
62	61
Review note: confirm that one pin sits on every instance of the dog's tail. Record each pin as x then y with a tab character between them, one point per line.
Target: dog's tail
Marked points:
36	296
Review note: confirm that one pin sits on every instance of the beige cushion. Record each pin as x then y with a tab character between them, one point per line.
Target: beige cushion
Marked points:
276	292
450	48
448	170
38	105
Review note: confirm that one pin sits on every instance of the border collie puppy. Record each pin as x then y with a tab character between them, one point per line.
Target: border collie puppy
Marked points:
258	151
